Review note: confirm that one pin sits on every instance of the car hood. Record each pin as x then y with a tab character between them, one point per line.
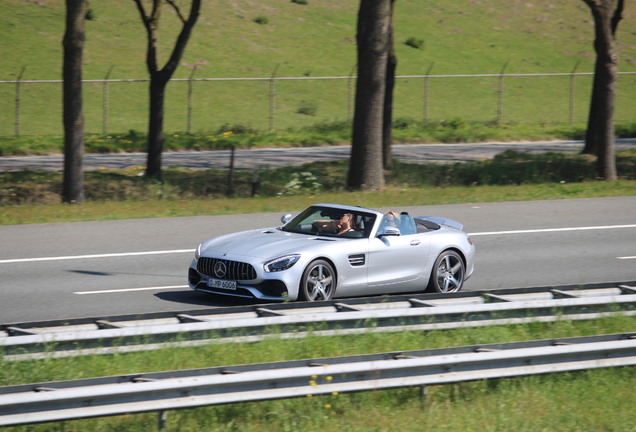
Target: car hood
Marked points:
262	243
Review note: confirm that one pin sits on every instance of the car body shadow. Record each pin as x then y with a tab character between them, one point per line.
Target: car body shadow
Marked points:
204	299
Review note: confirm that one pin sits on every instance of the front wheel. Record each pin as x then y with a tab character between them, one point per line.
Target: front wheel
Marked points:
318	282
448	273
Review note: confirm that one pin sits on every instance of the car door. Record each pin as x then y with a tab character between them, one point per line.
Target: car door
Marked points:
396	263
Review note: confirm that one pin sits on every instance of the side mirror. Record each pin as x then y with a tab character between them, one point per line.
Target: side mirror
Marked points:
389	231
286	218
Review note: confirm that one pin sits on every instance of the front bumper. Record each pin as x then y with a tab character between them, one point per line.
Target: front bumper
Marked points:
269	288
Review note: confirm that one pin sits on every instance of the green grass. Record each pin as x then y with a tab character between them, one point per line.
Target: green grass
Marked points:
406	130
313	40
34	196
556	402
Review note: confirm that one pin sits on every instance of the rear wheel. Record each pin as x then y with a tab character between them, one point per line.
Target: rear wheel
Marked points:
318	282
448	273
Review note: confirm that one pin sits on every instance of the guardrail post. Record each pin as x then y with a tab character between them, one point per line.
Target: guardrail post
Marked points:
18	101
423	396
272	97
189	107
572	92
427	78
105	101
163	417
500	105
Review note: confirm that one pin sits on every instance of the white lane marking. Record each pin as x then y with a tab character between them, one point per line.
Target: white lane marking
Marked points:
130	289
112	255
627	257
126	254
532	231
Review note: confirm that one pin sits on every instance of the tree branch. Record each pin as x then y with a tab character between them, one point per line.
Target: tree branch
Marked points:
177	10
144	16
150	24
183	37
618	15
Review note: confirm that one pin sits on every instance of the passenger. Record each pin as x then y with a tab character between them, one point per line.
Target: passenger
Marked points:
391	219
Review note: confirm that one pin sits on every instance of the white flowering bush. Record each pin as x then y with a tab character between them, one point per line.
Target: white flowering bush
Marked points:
302	183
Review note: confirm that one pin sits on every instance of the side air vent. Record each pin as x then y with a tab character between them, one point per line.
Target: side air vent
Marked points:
357	260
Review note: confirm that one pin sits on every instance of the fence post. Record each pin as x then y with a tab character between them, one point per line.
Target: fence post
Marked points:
230	174
272	97
189	107
18	101
105	101
350	94
500	105
572	92
426	91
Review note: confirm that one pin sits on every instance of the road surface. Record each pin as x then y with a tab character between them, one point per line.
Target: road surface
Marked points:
276	157
90	269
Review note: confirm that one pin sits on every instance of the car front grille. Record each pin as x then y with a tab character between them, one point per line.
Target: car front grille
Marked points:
225	269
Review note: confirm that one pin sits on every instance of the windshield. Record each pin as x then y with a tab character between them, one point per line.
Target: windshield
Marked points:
332	222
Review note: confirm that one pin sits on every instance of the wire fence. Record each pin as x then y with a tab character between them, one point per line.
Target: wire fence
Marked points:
193	105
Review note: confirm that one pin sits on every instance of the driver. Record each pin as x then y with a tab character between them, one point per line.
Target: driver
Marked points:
344	224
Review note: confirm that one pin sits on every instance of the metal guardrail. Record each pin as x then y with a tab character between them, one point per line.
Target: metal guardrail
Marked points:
20	341
66	400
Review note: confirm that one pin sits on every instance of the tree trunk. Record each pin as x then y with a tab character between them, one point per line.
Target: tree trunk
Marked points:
73	119
365	166
157	90
387	123
599	139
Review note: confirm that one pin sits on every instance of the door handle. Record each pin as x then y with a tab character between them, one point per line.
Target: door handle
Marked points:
415	242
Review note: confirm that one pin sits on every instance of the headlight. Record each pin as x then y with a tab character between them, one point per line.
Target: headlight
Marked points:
197	253
280	264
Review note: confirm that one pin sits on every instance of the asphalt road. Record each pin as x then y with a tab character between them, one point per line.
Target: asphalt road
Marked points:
90	269
276	157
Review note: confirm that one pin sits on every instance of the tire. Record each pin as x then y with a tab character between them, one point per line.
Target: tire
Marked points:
318	282
448	273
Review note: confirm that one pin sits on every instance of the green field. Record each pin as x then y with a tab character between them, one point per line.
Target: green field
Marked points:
310	41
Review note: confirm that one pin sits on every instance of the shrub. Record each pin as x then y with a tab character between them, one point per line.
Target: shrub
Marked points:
238	128
309	108
302	183
414	43
90	15
261	20
402	123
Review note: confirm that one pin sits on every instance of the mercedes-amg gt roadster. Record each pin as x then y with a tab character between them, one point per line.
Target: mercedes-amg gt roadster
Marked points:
330	250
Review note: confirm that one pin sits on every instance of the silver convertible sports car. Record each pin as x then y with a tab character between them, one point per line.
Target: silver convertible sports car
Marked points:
330	251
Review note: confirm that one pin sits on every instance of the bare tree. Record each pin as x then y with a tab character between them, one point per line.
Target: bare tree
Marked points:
159	78
599	139
73	118
365	166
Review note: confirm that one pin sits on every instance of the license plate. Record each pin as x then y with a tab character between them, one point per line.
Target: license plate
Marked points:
224	284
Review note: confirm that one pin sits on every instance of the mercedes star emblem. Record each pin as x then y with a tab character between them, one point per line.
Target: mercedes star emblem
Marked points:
220	269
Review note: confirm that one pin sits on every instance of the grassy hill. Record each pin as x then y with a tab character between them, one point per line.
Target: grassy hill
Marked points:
254	38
